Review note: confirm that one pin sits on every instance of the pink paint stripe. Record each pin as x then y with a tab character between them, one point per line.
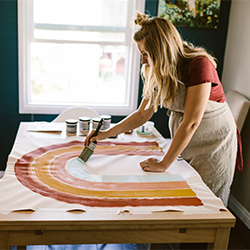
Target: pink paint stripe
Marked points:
59	171
41	189
128	152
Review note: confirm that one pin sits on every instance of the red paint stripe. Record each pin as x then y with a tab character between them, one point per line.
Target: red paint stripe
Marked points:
96	202
133	143
22	169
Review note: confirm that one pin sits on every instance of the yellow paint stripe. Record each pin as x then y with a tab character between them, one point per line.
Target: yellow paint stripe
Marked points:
125	147
41	171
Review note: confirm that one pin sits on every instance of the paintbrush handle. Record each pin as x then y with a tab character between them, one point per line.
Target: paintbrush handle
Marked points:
98	127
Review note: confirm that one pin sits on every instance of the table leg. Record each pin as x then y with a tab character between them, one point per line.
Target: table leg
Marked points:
154	246
4	240
221	239
21	247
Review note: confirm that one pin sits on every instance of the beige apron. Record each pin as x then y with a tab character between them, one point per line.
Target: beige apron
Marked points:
213	147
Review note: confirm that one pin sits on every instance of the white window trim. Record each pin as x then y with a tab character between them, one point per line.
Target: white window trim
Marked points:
25	35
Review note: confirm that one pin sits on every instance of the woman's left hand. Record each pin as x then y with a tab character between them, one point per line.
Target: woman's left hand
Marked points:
152	165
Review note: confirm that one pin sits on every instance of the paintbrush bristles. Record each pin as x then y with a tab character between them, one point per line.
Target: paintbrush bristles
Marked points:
89	149
87	152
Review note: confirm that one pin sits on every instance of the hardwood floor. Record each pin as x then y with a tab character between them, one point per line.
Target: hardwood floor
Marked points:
239	237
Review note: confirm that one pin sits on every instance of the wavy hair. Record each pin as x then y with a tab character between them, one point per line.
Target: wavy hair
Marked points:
166	51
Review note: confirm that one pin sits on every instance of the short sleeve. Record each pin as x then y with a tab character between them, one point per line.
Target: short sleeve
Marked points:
200	70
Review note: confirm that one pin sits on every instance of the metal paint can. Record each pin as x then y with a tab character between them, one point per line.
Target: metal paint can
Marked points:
84	122
95	121
71	126
106	121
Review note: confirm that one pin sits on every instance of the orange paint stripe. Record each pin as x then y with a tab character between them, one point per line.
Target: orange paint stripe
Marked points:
62	174
41	171
23	165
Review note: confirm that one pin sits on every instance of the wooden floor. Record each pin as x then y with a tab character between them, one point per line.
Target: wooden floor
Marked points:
240	236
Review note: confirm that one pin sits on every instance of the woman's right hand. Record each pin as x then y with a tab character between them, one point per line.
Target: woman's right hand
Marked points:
100	136
134	120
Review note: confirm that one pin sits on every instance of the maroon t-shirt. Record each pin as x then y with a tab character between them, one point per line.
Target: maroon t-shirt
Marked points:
200	70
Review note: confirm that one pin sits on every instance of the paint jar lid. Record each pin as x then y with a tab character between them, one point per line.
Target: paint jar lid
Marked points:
96	119
84	118
106	117
71	121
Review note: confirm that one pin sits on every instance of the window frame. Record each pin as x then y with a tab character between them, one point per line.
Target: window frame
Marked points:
26	36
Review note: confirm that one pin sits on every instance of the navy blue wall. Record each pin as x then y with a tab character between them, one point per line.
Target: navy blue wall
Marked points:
213	40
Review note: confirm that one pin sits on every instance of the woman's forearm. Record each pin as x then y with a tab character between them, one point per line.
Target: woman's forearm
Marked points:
195	105
132	121
180	141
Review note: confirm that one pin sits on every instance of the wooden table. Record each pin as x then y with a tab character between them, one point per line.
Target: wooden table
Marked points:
77	227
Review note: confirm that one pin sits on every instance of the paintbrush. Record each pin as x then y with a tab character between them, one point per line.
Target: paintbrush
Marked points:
89	149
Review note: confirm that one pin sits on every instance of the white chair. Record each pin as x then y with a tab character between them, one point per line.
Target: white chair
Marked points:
239	106
75	113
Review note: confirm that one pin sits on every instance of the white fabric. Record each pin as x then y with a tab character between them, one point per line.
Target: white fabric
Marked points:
18	197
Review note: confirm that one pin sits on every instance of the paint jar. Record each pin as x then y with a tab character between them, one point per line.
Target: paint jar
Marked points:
106	121
95	121
71	126
146	128
84	122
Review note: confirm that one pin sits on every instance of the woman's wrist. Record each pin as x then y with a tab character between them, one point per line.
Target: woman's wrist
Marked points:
109	133
163	165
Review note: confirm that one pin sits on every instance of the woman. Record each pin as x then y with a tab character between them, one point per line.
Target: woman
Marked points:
183	79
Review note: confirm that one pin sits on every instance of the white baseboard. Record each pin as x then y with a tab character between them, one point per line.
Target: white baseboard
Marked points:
1	174
239	210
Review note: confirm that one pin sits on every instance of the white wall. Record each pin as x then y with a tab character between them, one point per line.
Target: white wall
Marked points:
236	75
236	72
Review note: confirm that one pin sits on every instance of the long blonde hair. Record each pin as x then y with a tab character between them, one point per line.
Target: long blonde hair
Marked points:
166	51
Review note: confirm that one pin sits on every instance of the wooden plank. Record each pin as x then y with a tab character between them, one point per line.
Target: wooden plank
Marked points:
221	239
178	219
91	228
4	240
111	236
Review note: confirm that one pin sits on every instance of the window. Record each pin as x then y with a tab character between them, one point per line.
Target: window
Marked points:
78	53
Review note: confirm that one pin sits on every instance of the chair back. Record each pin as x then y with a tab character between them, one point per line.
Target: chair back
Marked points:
239	106
75	113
